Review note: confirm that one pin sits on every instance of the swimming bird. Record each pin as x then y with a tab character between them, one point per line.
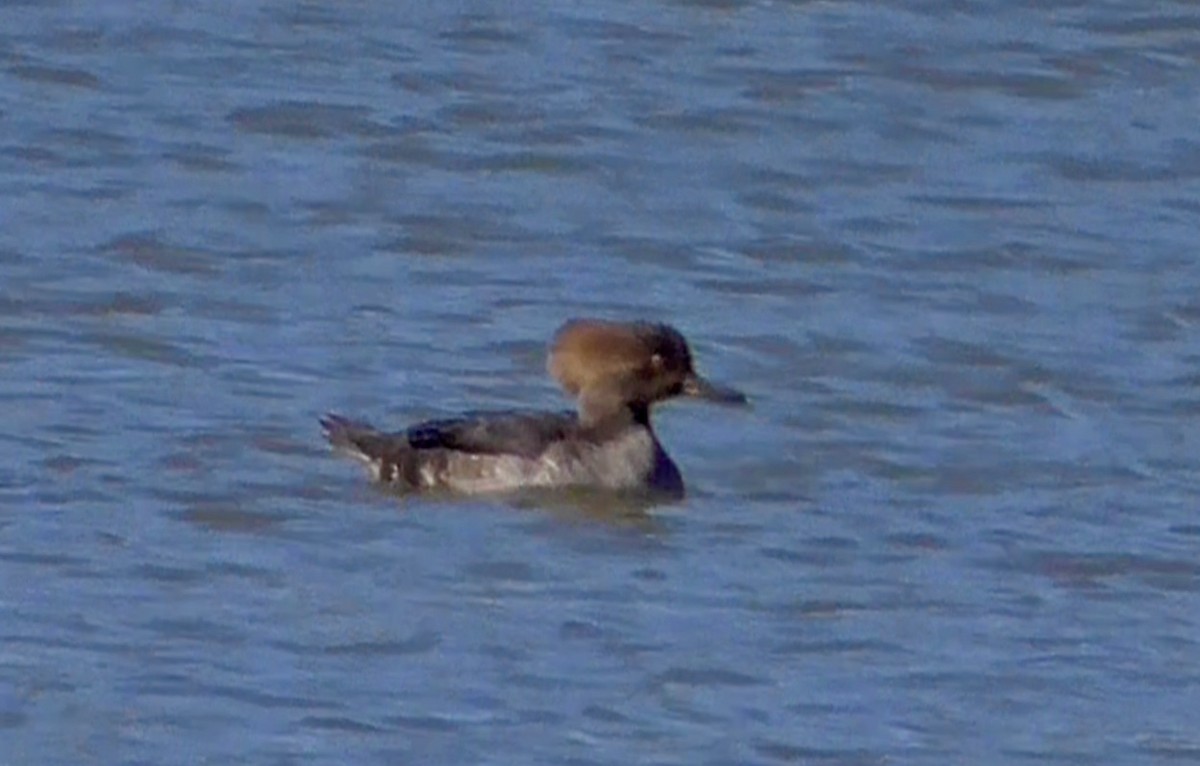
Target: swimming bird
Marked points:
615	371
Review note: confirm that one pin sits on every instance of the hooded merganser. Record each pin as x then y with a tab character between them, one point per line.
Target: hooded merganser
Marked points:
616	371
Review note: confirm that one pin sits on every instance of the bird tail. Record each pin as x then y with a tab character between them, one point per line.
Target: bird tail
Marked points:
357	439
388	456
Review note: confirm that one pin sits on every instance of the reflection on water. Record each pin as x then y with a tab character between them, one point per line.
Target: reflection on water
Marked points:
631	511
947	247
636	511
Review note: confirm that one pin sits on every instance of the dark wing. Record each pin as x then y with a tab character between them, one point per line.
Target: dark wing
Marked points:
510	433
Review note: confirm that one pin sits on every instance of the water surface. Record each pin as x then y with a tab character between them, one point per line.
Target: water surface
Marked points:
947	248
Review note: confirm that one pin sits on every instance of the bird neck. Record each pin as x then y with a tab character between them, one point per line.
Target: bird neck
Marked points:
601	408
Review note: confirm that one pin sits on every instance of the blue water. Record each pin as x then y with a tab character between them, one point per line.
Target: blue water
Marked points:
948	249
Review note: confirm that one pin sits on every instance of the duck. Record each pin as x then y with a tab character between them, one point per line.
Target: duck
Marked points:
616	372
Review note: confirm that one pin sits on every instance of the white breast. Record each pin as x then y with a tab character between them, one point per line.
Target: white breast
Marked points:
630	460
625	462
